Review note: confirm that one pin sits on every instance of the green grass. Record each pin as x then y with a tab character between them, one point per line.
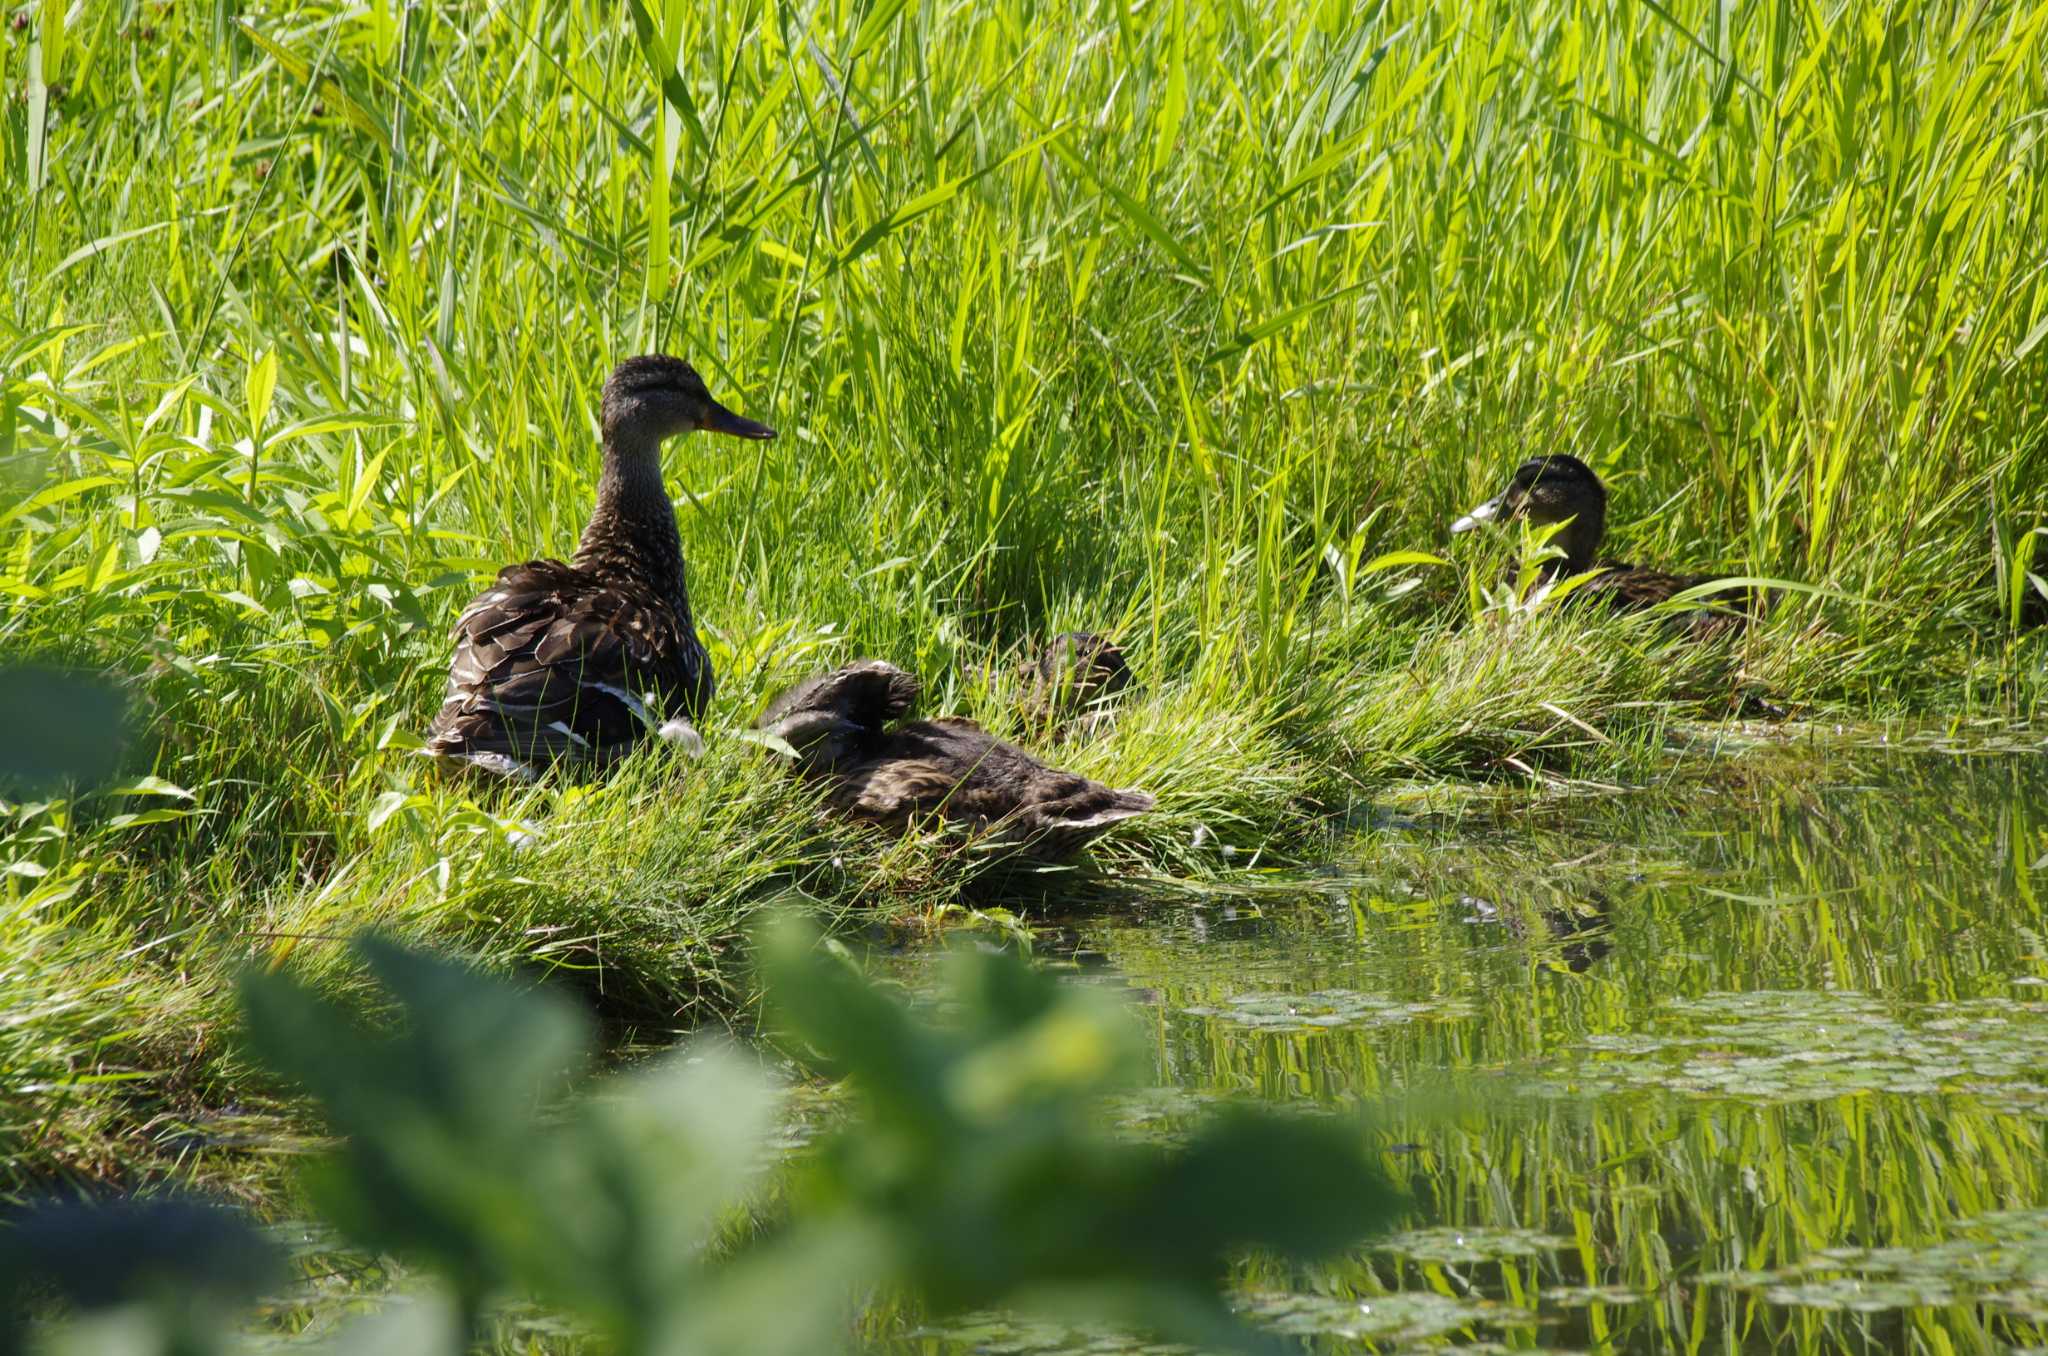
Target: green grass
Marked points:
1161	318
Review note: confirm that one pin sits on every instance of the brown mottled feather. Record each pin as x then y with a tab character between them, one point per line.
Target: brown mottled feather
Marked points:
581	660
536	653
1631	588
948	768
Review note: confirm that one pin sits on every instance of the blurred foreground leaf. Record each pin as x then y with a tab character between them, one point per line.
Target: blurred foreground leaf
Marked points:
453	1153
982	1165
440	1116
186	1262
66	728
979	1170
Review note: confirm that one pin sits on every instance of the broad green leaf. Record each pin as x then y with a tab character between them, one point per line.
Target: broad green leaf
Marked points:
1395	559
307	428
57	494
93	249
149	786
659	50
257	389
390	803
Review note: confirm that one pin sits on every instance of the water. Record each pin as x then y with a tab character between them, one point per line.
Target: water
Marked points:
1752	1062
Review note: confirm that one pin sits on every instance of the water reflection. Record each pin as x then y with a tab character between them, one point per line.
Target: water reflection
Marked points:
1756	1064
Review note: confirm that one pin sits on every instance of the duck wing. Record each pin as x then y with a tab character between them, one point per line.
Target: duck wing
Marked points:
952	768
894	792
1634	586
823	718
550	662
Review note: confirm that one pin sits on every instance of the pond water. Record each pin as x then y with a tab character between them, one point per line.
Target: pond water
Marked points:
1756	1061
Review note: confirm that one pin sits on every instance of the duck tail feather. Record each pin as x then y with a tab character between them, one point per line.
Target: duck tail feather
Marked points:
1116	807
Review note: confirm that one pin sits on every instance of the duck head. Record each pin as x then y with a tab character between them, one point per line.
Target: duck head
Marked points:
1554	489
650	398
1080	666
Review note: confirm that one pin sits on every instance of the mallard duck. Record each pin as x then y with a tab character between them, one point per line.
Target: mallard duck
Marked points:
837	727
580	660
1561	489
1069	680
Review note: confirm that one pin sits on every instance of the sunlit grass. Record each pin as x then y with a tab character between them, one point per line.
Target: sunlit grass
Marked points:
1165	319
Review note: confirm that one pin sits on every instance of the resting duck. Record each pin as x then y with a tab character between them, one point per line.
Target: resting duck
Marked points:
578	661
836	724
1070	680
1562	489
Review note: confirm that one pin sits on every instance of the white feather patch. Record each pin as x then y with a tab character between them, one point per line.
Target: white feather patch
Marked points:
560	728
684	736
499	764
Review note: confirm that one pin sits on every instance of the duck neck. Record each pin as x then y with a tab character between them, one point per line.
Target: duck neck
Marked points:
1580	541
632	535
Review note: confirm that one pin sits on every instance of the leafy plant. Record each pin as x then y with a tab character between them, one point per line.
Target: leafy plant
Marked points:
189	1262
974	1169
978	1163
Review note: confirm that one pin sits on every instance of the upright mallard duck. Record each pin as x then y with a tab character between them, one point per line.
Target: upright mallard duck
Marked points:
580	660
838	726
1067	684
1561	489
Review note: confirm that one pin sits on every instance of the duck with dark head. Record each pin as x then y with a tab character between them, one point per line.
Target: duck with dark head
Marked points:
581	660
847	732
1562	491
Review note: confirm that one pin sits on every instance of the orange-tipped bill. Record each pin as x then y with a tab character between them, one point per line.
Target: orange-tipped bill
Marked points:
719	419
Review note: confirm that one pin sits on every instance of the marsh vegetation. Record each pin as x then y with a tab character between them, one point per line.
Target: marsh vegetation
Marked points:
1191	325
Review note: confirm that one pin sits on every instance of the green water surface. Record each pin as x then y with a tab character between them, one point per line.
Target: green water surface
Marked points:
1755	1060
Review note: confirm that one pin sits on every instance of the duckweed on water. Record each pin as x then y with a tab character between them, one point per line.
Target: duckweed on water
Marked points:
1004	1335
1578	1296
1411	1317
1793	1101
1401	1318
1452	1246
1325	1008
1792	1046
2000	1259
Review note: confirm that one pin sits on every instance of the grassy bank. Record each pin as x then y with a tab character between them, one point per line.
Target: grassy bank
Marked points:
1161	319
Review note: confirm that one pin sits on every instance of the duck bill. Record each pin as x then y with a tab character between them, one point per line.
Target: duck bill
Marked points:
718	419
1485	513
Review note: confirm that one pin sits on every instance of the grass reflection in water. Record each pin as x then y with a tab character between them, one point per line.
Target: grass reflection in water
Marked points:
1757	1064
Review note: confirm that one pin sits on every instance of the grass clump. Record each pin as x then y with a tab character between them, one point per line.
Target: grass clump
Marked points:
1172	321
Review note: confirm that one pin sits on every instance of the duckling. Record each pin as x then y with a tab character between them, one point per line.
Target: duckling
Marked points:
836	724
1067	683
1561	489
578	661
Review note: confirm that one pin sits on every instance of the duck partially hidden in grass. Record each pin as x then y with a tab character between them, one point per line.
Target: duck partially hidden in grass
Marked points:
582	660
1069	682
1561	489
838	726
